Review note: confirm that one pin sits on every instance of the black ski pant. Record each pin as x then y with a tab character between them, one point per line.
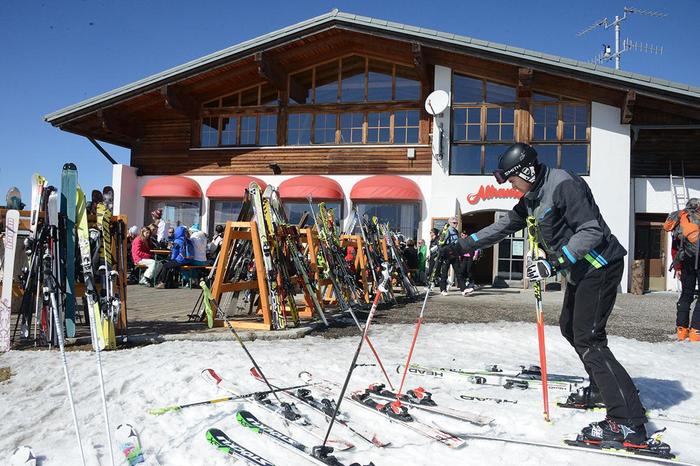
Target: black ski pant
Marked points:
445	271
689	279
463	272
167	266
587	306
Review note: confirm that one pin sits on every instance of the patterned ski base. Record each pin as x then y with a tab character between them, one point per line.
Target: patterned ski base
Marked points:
129	444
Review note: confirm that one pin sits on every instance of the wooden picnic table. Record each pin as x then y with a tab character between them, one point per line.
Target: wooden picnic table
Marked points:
160	252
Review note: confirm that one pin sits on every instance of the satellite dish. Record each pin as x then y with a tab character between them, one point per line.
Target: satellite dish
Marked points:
437	102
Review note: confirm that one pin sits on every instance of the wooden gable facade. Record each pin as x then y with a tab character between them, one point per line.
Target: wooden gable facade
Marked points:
162	125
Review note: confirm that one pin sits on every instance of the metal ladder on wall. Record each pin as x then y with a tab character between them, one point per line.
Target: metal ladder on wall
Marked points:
679	190
679	196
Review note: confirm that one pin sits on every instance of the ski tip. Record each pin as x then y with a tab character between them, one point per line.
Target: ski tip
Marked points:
23	456
211	375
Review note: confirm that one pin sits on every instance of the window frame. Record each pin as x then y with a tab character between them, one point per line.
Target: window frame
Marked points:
483	107
560	101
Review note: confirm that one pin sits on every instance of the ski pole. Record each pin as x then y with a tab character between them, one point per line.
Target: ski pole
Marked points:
537	288
51	291
219	312
396	404
323	450
339	297
167	409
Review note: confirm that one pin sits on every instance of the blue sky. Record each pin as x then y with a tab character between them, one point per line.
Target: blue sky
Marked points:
56	53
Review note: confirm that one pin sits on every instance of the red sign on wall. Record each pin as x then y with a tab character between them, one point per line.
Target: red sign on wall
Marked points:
487	192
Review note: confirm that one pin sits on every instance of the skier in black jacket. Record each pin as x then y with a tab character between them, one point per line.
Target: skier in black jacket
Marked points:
577	243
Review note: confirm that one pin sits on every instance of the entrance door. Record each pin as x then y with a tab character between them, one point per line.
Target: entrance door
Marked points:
650	247
482	270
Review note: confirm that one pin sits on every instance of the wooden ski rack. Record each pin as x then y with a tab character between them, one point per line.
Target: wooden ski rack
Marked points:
248	231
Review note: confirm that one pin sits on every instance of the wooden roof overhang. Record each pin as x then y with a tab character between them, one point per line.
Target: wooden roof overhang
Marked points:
117	116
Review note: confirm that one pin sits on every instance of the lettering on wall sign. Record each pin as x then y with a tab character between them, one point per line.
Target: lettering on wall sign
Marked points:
487	192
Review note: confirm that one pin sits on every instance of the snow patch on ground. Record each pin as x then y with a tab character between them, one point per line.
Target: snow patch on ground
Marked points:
35	410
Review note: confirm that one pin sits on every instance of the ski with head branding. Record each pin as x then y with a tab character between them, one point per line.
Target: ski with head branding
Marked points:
225	444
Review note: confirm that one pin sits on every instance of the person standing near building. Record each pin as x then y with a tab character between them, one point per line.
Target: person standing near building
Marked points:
433	253
199	242
449	260
684	225
464	267
422	256
576	242
162	225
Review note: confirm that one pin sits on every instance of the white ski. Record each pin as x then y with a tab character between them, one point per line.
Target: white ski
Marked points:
11	227
423	429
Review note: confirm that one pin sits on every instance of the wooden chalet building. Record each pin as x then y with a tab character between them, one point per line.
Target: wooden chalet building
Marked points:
333	107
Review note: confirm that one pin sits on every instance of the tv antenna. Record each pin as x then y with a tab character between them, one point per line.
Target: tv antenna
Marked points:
621	47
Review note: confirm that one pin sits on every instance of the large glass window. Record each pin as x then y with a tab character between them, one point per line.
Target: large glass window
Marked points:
560	132
407	87
248	124
378	127
406	124
229	131
379	81
209	133
299	129
402	217
353	80
483	124
361	80
296	208
326	89
268	130
324	128
223	210
175	211
351	126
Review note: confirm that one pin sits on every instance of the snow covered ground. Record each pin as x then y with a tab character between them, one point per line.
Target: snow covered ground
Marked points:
34	408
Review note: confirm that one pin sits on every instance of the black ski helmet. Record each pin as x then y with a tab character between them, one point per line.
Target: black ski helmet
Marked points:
520	159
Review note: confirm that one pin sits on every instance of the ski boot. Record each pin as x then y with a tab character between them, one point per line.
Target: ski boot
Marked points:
609	434
682	333
584	398
694	335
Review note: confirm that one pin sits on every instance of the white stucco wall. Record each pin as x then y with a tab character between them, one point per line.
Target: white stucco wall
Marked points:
125	191
610	174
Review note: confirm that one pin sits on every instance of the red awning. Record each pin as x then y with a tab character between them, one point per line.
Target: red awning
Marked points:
172	187
232	187
386	188
318	187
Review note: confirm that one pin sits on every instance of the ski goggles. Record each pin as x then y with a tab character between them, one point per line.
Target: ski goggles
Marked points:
500	176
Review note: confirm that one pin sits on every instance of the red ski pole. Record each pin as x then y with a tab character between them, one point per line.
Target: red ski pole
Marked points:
537	288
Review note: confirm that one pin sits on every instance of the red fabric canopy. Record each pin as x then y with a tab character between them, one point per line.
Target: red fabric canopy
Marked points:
172	187
318	187
385	188
232	187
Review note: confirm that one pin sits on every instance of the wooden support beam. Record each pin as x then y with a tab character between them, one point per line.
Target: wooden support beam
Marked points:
524	96
420	64
627	112
278	77
177	100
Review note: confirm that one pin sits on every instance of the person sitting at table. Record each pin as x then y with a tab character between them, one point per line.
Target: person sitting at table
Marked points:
181	254
199	242
141	253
